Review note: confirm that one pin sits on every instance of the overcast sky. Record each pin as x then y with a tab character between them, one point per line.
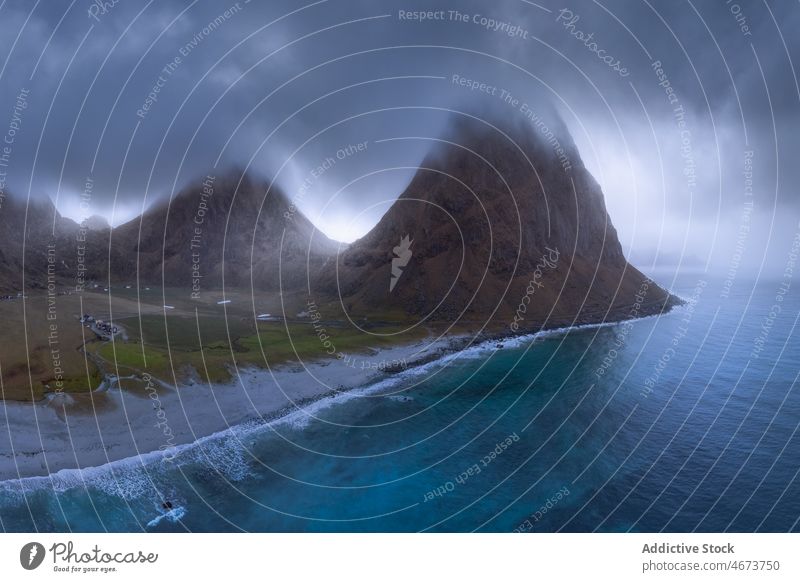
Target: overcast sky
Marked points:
282	86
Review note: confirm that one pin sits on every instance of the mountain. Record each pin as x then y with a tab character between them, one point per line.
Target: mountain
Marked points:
233	226
96	222
34	235
502	223
13	243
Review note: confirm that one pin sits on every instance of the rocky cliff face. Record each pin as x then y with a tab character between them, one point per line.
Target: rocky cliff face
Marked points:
499	223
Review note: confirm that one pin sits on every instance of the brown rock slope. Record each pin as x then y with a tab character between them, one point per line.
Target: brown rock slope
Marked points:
505	228
230	224
49	246
222	226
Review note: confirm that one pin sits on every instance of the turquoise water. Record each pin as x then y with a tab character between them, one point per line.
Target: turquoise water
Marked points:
679	423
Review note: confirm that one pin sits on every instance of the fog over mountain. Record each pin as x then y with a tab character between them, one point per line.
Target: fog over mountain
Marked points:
496	212
107	108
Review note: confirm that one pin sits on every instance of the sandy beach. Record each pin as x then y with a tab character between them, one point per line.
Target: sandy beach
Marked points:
78	432
67	432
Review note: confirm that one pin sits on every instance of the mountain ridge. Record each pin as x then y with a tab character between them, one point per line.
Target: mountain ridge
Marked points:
496	226
233	227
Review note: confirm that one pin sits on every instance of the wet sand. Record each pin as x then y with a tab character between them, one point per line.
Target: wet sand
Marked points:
71	432
68	432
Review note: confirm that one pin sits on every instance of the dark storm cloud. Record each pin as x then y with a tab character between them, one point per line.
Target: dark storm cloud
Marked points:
140	98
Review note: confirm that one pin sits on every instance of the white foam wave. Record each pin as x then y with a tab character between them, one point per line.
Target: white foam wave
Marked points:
135	477
173	516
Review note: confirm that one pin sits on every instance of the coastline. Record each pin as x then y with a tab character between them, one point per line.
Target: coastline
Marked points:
89	432
69	432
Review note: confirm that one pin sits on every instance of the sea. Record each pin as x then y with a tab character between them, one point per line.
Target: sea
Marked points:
682	422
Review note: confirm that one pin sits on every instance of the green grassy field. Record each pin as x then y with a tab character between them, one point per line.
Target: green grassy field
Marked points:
41	349
200	339
217	350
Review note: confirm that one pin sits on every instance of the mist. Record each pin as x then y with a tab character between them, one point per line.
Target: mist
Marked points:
685	114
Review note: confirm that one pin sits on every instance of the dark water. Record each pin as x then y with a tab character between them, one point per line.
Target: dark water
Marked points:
691	426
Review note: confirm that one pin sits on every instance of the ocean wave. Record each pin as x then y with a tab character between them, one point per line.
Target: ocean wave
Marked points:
173	516
144	475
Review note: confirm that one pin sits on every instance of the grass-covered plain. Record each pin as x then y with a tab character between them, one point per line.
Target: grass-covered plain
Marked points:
174	348
172	337
42	344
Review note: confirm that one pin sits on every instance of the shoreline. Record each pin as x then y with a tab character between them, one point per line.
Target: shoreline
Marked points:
137	428
70	432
